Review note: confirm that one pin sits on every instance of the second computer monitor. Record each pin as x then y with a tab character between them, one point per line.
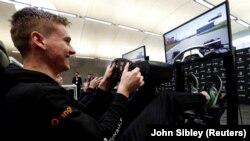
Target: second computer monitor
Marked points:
138	54
206	35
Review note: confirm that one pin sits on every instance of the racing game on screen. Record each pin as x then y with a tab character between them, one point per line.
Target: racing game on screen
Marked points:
205	35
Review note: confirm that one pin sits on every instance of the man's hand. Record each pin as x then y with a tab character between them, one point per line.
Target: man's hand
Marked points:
130	81
94	82
104	83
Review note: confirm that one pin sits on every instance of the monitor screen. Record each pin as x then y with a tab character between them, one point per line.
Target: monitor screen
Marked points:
72	89
138	54
209	34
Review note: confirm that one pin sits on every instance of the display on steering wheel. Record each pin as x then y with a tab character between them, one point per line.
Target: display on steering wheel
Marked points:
117	71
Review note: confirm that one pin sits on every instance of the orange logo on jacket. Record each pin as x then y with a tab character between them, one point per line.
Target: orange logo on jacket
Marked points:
64	114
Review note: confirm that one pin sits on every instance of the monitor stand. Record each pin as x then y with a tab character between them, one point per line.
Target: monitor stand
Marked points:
231	85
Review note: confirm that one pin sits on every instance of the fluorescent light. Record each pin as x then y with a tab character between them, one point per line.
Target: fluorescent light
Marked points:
232	17
204	3
98	21
129	28
15	51
243	23
152	33
15	2
36	3
59	12
18	5
109	59
84	57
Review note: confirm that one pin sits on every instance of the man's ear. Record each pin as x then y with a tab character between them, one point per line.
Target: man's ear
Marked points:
38	40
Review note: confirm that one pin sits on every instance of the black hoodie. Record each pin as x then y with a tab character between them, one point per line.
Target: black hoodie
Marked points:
32	100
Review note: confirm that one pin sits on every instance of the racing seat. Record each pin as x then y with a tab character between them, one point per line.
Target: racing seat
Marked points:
4	62
4	59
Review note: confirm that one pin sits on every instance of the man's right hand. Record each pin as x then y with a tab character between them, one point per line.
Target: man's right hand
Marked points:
130	81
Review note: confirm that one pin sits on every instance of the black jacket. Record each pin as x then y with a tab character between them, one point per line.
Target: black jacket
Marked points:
33	100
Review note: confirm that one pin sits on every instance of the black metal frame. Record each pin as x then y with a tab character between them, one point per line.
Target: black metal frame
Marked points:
231	78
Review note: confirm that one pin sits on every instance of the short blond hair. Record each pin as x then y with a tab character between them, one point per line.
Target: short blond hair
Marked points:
26	20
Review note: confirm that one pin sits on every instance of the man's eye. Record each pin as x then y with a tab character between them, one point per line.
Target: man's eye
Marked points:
68	41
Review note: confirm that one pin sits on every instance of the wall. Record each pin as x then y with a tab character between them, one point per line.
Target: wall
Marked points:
83	66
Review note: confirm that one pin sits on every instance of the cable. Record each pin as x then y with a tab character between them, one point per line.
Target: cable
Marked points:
241	120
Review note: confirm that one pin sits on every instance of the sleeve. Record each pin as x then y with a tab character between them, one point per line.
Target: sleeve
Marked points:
98	103
87	97
63	113
100	96
80	81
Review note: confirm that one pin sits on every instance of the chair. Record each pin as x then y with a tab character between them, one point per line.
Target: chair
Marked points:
4	62
4	59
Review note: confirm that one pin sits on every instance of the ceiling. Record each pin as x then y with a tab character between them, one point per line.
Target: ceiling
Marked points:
92	39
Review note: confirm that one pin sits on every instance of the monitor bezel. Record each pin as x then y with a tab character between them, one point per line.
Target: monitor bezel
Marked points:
230	51
144	50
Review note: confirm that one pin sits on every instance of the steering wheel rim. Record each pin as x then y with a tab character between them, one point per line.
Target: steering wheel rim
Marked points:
118	70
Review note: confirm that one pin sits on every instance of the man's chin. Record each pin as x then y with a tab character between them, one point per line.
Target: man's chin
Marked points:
67	67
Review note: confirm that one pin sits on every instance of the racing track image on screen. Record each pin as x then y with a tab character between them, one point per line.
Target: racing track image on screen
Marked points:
138	54
205	35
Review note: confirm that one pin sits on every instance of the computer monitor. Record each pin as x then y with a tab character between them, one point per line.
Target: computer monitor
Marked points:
209	34
138	54
72	89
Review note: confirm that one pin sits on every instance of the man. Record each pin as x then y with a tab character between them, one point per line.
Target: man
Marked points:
59	79
89	91
34	100
77	80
